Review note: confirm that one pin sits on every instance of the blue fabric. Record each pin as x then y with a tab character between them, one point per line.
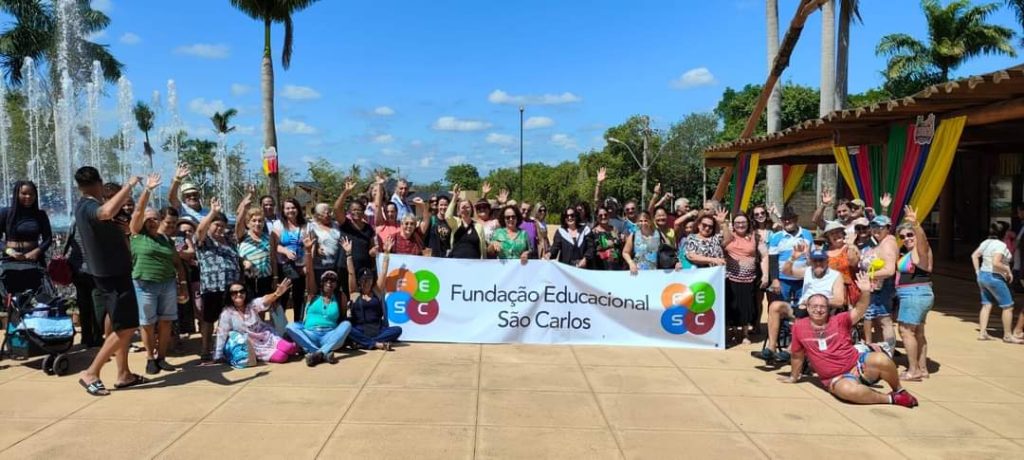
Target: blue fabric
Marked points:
791	290
782	243
994	290
915	303
158	301
324	340
236	350
387	334
50	328
881	300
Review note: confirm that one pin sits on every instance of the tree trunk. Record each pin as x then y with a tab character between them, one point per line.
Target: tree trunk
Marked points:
843	58
827	172
774	177
269	128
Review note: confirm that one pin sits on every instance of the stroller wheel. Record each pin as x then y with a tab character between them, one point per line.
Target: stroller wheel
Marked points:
48	364
60	364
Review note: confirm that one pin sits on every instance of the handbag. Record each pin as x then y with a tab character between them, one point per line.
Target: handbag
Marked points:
667	256
59	269
239	350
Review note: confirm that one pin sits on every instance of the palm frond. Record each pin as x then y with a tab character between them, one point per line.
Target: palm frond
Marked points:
112	68
286	50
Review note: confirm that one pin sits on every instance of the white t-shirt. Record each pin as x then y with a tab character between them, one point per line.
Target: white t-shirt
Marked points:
989	248
814	286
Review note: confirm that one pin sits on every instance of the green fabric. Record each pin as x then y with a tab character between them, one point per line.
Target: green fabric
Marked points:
320	316
897	150
877	162
152	258
510	248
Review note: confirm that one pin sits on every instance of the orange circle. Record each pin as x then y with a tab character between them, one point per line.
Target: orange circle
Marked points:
676	295
401	279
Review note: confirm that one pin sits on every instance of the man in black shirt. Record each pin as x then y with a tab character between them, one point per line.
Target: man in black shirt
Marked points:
110	262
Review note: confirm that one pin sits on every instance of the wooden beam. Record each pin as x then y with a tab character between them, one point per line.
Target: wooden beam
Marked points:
861	135
993	113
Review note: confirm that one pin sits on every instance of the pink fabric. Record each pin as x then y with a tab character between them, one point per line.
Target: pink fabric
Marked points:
284	350
839	355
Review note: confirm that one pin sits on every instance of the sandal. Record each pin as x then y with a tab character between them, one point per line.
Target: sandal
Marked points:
95	388
906	377
136	379
1013	340
985	337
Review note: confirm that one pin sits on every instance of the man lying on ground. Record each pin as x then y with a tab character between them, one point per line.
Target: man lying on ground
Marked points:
847	373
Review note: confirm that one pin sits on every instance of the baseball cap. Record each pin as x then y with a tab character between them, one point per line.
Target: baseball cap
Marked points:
881	221
818	254
833	225
860	222
789	213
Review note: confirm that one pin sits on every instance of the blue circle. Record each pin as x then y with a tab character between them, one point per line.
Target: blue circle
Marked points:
673	320
398	307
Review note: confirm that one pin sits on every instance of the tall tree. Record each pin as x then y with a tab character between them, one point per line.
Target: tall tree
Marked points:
827	172
774	176
269	12
1017	6
34	33
849	13
144	120
957	32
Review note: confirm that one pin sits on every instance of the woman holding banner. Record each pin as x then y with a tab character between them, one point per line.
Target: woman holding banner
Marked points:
370	328
607	243
509	241
641	249
572	244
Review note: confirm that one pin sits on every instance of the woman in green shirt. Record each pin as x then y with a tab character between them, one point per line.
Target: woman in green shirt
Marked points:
159	278
509	241
323	328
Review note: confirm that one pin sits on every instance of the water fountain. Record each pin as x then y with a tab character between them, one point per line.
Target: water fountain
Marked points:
175	126
33	117
125	102
93	90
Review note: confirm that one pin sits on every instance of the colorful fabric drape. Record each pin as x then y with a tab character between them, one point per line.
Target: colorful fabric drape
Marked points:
935	171
744	176
791	178
857	170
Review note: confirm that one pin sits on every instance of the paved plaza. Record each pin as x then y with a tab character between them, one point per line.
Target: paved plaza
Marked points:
451	401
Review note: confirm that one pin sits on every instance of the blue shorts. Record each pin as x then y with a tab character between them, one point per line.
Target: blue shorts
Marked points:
915	303
855	374
994	290
790	290
158	301
881	300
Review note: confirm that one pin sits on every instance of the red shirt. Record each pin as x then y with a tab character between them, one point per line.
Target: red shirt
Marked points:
386	231
832	354
412	246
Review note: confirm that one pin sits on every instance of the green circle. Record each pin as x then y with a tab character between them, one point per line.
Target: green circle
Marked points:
427	286
703	297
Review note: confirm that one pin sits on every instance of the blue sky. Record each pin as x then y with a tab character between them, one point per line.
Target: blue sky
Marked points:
422	85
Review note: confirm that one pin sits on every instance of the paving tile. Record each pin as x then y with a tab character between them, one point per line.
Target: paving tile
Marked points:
607	379
232	440
528	354
55	399
443	352
664	412
174	404
590	355
396	441
282	404
962	389
986	362
712	359
394	405
16	429
543	377
754	383
954	448
686	444
798	416
545	443
11	370
97	439
1011	384
539	409
351	371
400	374
1003	418
819	446
927	419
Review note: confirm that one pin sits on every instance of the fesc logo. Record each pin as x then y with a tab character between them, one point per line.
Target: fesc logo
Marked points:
412	296
688	308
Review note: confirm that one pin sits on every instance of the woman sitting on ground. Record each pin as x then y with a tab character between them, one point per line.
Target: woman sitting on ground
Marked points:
992	265
27	235
242	318
370	329
508	241
324	328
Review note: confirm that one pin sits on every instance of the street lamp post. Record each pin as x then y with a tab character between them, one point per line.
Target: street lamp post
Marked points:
521	191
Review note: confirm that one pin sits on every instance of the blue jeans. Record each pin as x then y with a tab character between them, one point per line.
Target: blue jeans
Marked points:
322	339
387	334
994	290
158	301
881	300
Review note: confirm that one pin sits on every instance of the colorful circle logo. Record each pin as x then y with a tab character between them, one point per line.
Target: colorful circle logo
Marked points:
688	308
412	296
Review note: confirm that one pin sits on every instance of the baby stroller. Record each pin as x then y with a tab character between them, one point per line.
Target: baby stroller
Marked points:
38	324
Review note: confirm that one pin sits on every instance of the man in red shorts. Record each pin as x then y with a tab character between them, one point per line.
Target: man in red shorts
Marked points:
846	372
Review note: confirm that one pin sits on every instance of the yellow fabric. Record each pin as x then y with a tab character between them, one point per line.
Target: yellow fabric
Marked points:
846	169
796	172
936	169
748	186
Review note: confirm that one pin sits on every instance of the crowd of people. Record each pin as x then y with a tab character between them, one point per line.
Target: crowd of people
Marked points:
183	269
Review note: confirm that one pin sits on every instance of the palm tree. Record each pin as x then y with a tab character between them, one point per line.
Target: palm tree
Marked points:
34	33
1018	7
956	33
826	100
144	119
773	173
269	12
849	13
222	125
222	121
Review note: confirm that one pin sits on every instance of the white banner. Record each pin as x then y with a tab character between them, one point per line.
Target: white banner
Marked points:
546	302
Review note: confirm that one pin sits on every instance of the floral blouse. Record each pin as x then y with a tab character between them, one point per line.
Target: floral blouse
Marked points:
645	250
261	335
218	264
706	247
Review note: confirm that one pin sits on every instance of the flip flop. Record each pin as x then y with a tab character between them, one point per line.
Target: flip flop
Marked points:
905	377
95	388
136	380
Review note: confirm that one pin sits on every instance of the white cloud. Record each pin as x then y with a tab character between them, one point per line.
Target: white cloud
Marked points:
245	129
384	111
289	126
206	108
98	35
455	159
455	124
383	139
390	152
693	78
299	93
129	38
500	97
538	122
564	141
102	5
239	89
204	50
426	161
500	139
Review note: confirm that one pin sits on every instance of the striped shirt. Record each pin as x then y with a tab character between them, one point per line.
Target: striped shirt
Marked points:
257	252
152	258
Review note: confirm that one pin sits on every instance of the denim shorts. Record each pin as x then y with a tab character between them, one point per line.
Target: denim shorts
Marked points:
915	303
158	300
881	300
790	290
994	290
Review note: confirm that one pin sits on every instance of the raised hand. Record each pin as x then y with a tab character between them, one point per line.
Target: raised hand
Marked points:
503	196
346	244
182	171
389	244
350	185
133	181
799	249
153	181
864	282
379	178
309	241
485	189
722	215
773	211
216	205
456	190
602	174
826	197
886	200
909	214
417	200
247	199
283	287
657	188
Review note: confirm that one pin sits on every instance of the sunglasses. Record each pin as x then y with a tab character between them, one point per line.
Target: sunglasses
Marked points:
760	214
510	217
235	293
630	209
191	195
907	235
706	226
542	210
602	215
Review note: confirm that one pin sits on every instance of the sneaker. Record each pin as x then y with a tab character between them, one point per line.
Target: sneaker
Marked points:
151	367
331	359
164	365
766	354
314	358
903	398
783	356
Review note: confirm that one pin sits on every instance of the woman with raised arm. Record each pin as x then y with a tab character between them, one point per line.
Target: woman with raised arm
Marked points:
411	237
289	232
993	267
323	329
370	328
240	323
742	249
256	247
467	235
914	289
218	267
354	226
